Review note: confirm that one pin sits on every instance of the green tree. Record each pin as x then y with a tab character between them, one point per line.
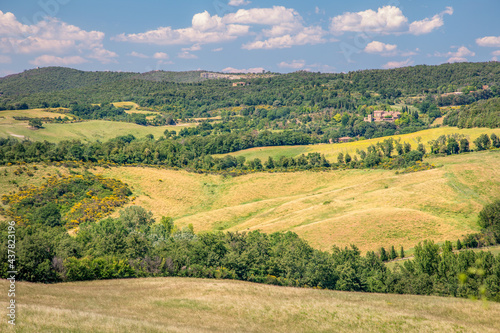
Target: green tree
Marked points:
393	254
459	244
483	142
489	218
401	252
383	254
347	158
35	123
495	140
340	158
464	145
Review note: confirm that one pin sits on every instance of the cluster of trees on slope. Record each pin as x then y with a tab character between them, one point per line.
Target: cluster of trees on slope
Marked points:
195	153
480	114
133	245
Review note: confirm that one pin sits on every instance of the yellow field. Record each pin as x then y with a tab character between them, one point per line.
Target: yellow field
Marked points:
134	108
369	208
7	116
331	151
200	305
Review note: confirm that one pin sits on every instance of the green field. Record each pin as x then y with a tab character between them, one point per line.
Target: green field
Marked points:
331	151
86	131
198	305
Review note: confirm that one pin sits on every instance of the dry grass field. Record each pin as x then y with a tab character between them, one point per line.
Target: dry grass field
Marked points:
370	208
197	305
331	151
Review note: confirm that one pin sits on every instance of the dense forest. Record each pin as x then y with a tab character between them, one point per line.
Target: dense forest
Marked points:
479	114
301	89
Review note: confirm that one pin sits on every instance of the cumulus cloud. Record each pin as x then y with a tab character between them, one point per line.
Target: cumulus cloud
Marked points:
232	70
458	56
379	47
489	41
103	55
50	36
386	20
397	64
160	56
426	25
204	29
309	35
496	53
283	27
46	59
294	64
186	55
237	3
195	47
217	49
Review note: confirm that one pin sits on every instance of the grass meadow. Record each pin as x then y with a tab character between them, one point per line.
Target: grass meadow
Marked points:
86	131
200	305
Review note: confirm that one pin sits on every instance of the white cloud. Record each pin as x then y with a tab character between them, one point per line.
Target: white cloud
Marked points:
138	55
458	56
54	60
160	56
103	55
426	25
309	35
50	35
204	29
295	64
386	19
496	53
396	64
249	70
5	59
489	41
217	49
285	29
237	3
187	55
195	47
379	47
265	16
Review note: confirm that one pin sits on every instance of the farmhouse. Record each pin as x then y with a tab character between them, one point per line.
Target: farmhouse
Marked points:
380	115
345	139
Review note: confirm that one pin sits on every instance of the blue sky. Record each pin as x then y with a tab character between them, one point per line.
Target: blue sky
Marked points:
243	35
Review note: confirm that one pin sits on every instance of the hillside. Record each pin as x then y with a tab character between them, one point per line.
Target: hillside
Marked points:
479	114
48	79
196	305
369	208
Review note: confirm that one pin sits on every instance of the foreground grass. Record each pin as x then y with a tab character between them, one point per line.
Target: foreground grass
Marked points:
331	151
195	305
